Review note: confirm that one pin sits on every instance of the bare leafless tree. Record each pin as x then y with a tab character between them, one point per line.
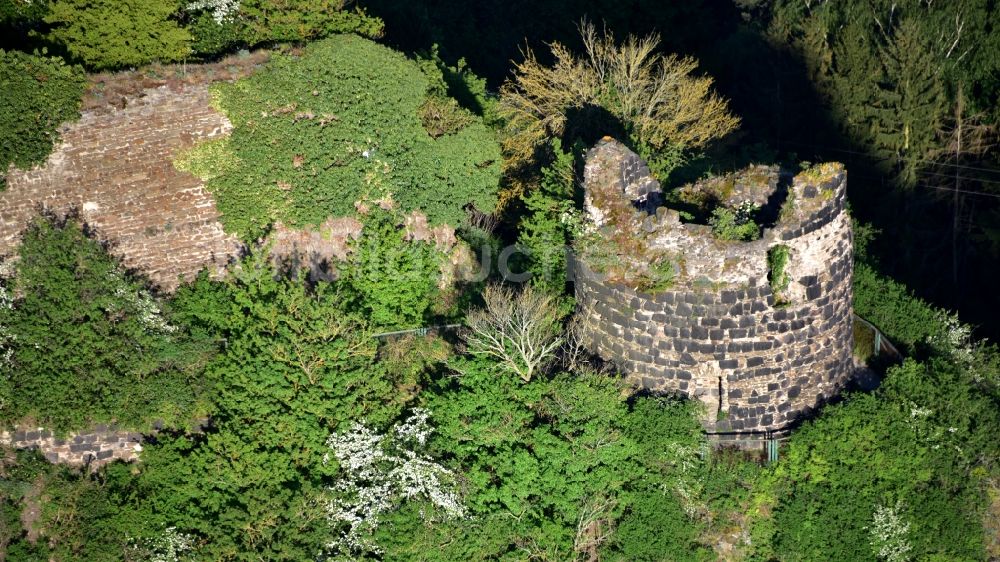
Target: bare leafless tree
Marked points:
519	329
593	527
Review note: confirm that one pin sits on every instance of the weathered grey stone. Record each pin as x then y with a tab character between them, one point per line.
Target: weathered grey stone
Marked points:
721	312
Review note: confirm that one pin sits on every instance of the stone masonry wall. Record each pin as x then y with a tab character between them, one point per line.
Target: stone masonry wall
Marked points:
95	448
115	165
729	343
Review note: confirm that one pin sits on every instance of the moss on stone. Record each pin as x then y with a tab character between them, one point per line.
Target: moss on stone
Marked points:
208	160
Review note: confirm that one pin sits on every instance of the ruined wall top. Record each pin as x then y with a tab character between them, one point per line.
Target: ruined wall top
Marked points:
634	237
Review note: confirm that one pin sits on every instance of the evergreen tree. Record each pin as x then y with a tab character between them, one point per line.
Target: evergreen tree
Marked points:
908	107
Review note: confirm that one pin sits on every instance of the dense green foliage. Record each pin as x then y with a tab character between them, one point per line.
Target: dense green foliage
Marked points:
391	282
110	34
217	27
892	307
546	231
39	93
567	463
118	33
89	343
313	134
295	366
552	465
77	517
921	446
297	20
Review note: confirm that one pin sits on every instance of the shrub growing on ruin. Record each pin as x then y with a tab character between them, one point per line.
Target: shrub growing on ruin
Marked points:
734	224
777	260
39	94
90	344
316	133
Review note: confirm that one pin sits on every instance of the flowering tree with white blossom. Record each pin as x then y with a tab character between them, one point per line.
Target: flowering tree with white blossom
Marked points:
171	546
221	10
6	337
888	534
379	471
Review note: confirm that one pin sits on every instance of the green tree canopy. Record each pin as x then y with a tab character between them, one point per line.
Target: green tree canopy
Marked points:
108	34
296	365
89	343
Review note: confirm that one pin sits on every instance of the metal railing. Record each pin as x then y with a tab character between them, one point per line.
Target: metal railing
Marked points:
417	331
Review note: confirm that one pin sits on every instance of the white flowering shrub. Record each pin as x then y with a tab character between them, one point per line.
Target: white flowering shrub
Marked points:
171	546
378	473
956	339
745	211
6	337
685	480
140	302
221	10
889	534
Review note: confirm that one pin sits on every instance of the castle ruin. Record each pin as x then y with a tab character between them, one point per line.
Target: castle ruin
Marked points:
761	341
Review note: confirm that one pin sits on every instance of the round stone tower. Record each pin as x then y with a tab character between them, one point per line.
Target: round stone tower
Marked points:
760	331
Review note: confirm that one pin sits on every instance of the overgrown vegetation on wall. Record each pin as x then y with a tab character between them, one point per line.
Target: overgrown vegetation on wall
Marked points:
327	442
39	94
777	277
88	343
315	133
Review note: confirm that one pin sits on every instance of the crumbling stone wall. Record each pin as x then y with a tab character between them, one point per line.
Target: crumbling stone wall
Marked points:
116	166
718	332
93	448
